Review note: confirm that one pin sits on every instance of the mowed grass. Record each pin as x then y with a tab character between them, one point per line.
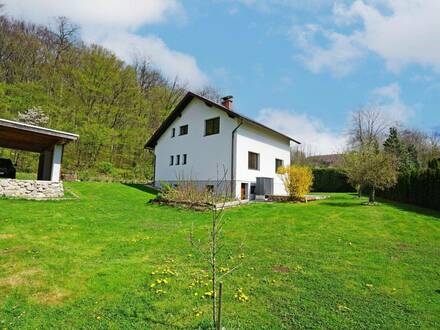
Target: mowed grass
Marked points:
335	263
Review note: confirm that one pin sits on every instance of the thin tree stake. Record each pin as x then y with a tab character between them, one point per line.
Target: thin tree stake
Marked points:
219	316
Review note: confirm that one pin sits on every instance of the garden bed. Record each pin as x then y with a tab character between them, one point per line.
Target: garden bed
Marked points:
196	206
307	198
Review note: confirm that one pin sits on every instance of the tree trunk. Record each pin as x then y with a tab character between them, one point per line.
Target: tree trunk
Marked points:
372	198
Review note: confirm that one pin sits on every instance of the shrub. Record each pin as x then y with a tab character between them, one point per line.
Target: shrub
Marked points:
297	180
105	168
330	180
186	191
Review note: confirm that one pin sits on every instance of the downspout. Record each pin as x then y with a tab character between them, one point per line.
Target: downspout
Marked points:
232	155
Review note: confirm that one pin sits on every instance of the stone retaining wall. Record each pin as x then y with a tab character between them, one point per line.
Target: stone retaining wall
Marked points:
31	189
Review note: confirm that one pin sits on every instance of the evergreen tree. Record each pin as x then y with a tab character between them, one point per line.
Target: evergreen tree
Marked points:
406	156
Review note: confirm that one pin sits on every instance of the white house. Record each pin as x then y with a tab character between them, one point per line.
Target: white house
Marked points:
202	141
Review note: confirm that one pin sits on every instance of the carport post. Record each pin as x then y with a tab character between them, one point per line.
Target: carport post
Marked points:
57	157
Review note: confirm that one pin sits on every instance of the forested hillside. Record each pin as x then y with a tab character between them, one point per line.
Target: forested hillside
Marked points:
84	89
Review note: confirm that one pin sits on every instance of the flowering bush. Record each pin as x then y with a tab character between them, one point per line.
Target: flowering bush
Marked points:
297	180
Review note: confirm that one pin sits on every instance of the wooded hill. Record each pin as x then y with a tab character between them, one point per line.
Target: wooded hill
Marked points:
84	89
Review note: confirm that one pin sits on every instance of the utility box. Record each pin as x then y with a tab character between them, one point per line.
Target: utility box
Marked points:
264	186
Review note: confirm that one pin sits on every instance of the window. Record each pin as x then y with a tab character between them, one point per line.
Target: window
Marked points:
178	160
184	159
173	132
171	160
183	130
212	126
253	161
278	163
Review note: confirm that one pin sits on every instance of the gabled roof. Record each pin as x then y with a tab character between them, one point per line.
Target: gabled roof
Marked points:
182	105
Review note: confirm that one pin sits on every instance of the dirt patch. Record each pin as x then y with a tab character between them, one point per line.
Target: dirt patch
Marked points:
403	246
12	250
6	236
281	269
55	297
20	278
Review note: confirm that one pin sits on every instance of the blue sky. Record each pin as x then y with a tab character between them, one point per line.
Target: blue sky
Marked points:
300	66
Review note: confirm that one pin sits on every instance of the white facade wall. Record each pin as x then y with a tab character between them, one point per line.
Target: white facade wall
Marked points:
205	154
269	146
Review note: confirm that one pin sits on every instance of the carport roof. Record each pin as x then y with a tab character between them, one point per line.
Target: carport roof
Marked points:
16	135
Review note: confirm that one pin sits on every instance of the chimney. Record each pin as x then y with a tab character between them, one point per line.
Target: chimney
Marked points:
227	102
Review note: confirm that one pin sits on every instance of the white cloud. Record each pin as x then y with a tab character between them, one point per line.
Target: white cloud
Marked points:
338	58
387	99
172	63
410	34
271	5
313	135
130	14
113	24
401	32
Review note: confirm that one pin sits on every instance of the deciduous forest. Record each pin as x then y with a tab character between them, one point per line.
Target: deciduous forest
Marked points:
84	89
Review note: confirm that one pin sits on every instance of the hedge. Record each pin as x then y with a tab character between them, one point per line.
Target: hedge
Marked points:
419	187
330	180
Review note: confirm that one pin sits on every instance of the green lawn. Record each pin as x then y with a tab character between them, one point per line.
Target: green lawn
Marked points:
335	263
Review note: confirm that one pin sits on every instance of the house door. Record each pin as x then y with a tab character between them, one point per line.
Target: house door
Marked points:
243	190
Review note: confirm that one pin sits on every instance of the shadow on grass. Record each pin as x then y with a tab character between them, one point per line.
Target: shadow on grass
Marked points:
142	187
342	204
412	208
397	205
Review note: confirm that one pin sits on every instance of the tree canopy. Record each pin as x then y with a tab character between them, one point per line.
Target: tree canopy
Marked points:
84	89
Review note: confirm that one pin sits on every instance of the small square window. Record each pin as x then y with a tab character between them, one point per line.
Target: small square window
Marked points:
171	160
184	159
278	163
253	161
178	160
212	126
183	130
173	132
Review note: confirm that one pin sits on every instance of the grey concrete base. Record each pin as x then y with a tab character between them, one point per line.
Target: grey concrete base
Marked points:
232	204
221	188
31	189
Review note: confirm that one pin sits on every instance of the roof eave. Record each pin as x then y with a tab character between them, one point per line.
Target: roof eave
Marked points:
152	142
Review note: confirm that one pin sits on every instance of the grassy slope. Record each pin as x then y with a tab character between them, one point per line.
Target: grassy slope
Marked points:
87	263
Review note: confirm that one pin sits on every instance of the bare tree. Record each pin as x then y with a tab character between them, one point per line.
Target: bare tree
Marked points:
368	127
147	77
217	198
66	34
426	145
299	155
211	93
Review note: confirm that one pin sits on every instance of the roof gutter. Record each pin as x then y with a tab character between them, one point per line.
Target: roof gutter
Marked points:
233	154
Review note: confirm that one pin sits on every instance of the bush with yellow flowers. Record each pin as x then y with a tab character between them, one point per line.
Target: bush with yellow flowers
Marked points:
297	180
